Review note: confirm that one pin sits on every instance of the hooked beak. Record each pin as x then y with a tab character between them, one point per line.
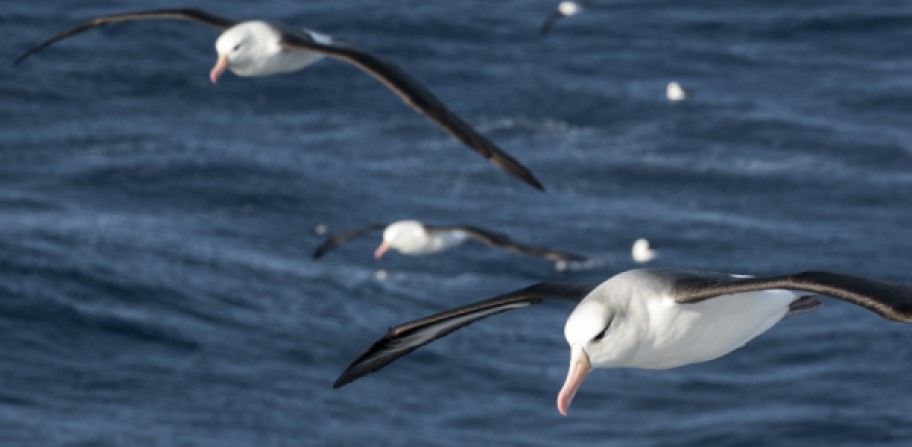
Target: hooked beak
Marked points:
220	66
378	253
579	368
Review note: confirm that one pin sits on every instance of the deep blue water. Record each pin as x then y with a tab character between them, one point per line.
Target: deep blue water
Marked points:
156	286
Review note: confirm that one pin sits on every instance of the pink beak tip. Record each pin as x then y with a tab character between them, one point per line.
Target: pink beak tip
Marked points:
563	404
378	253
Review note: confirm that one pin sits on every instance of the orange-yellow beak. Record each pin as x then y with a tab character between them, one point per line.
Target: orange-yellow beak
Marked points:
579	369
220	66
378	253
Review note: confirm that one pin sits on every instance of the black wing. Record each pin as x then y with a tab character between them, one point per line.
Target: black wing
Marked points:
501	241
340	238
890	300
192	15
407	337
419	98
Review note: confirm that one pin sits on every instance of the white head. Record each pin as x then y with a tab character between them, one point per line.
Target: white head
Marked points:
568	8
675	92
642	252
244	48
404	236
599	334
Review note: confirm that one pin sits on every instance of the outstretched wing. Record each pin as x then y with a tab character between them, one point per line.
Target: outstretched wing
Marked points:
501	241
193	15
407	337
340	238
417	96
890	300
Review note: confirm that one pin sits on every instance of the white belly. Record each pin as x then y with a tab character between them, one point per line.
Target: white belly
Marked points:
278	63
681	334
435	243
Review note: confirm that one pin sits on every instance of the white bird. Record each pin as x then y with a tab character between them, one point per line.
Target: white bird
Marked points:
258	48
675	92
565	8
652	318
411	237
642	252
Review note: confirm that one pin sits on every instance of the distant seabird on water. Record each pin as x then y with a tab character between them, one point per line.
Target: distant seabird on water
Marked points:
412	237
642	252
652	318
258	48
674	92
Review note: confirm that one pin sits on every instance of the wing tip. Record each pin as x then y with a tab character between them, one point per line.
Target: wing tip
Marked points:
354	372
23	57
511	166
524	174
343	380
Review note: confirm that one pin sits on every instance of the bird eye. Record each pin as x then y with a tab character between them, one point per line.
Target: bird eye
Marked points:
600	335
236	47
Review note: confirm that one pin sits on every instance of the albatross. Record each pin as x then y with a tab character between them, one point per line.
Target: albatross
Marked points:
259	48
652	318
411	237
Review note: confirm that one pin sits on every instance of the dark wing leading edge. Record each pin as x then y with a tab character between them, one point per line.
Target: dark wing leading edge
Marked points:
340	238
192	15
407	337
501	241
889	300
419	98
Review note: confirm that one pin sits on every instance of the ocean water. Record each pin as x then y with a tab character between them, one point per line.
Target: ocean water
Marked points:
156	285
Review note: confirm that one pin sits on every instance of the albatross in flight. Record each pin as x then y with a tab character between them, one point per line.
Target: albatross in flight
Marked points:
652	318
412	237
258	48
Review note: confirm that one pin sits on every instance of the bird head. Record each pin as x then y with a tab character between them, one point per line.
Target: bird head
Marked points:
243	47
598	337
402	236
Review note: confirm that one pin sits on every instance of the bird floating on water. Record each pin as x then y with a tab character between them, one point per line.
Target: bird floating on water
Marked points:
642	252
652	318
411	237
259	48
674	92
